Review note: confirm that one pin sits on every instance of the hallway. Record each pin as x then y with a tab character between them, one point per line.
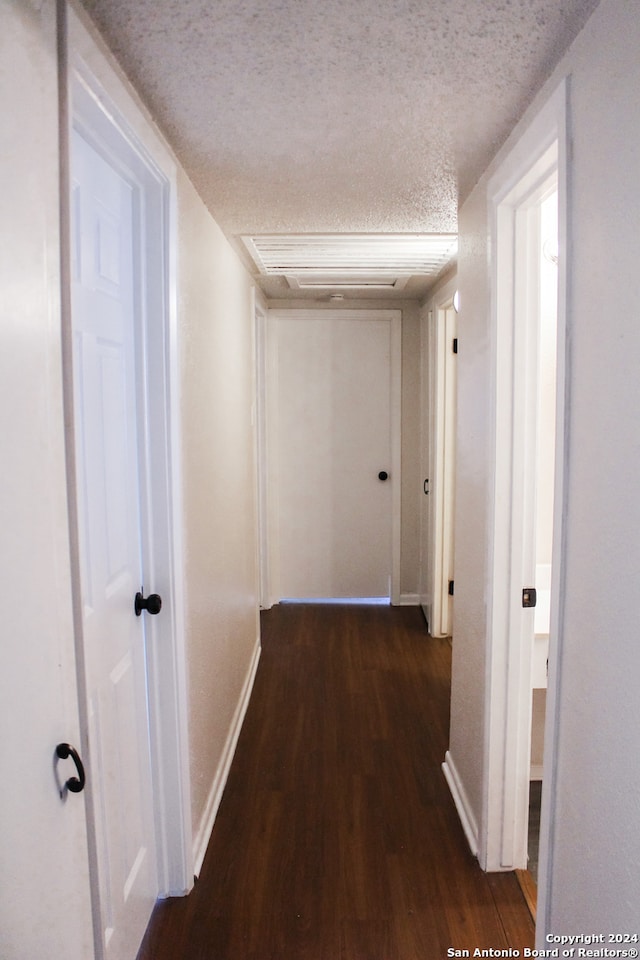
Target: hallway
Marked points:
337	838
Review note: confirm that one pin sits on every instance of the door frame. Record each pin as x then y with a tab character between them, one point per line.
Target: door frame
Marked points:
94	99
437	514
261	441
268	369
540	153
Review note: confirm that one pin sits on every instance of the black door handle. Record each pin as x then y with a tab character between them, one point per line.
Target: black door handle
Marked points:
152	604
73	784
383	475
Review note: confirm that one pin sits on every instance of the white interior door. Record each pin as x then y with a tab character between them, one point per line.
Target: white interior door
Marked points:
443	471
426	432
45	907
104	299
333	464
438	461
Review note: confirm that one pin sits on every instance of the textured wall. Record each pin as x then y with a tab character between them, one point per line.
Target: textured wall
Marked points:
589	880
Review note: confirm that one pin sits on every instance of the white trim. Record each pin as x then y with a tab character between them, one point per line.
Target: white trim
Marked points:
270	575
464	808
262	459
435	353
101	100
550	757
201	840
426	435
442	468
396	452
535	158
409	600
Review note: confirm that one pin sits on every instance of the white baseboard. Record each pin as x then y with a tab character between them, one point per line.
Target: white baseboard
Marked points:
409	600
203	835
461	801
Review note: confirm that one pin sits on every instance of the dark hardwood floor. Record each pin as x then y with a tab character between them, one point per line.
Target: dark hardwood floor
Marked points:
337	838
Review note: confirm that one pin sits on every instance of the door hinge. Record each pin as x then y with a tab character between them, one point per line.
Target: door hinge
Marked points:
455	344
529	597
451	582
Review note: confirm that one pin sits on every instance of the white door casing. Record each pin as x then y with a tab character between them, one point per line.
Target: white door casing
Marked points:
262	486
438	438
535	164
427	352
442	469
334	411
444	499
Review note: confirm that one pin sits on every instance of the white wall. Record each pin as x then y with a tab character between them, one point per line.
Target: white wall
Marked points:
590	880
594	875
220	574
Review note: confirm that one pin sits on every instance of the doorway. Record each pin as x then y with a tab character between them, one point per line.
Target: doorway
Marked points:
545	430
121	404
333	413
439	388
527	200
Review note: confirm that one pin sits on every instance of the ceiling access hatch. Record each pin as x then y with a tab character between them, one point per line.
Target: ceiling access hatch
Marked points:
351	261
312	282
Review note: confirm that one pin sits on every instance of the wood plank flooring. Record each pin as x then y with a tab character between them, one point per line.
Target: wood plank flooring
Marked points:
337	838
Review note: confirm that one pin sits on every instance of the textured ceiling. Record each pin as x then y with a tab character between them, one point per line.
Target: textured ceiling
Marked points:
342	115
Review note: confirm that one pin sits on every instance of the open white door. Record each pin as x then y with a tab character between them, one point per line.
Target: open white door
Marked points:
110	536
439	359
443	471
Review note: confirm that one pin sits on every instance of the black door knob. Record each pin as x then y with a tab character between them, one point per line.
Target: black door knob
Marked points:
383	475
73	784
152	604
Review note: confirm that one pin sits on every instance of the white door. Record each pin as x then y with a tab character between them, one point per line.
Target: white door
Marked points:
104	298
45	907
334	467
439	488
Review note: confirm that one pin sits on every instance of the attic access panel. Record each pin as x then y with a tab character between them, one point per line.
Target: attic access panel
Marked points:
351	261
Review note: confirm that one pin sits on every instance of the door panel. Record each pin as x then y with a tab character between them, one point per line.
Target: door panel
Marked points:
444	475
332	410
45	906
437	513
104	327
